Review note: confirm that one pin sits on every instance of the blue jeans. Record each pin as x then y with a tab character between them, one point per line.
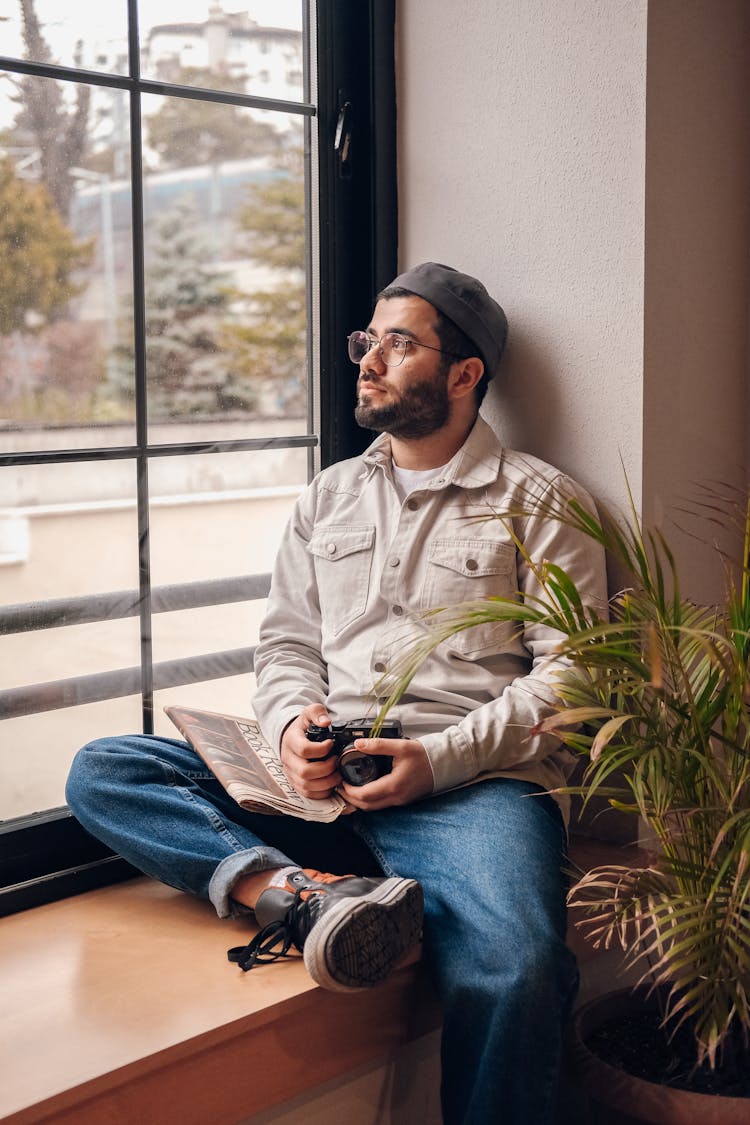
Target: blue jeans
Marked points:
490	858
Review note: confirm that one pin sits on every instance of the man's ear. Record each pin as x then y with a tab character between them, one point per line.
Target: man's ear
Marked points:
465	374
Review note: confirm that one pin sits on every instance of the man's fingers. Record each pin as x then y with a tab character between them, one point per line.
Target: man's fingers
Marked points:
377	745
314	713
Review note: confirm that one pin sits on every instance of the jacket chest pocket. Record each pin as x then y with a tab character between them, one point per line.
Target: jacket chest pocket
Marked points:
462	570
343	561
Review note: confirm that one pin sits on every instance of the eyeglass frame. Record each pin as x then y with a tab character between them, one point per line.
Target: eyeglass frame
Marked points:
377	342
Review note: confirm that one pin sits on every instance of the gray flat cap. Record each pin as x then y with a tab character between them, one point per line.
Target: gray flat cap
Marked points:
466	302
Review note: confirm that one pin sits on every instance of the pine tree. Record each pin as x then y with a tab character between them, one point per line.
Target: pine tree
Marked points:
271	342
188	371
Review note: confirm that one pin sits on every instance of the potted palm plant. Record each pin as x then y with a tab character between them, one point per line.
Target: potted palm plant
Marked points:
655	699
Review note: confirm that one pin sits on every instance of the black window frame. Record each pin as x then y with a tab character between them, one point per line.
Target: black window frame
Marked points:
48	855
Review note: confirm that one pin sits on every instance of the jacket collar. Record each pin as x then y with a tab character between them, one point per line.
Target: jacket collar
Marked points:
476	463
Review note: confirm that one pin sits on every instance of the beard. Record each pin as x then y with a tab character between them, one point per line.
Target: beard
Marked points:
422	409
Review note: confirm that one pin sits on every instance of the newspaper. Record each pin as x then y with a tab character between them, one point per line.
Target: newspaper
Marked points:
238	755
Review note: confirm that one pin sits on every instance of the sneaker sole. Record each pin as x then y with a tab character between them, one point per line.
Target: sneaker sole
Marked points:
358	941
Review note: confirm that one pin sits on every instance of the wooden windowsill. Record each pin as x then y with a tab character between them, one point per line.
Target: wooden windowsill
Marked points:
120	1005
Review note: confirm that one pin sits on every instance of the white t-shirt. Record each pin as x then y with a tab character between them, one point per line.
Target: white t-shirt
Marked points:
410	480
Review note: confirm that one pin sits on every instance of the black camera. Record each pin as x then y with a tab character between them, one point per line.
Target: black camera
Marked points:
356	767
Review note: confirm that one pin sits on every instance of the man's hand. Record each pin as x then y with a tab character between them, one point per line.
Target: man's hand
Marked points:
310	776
410	777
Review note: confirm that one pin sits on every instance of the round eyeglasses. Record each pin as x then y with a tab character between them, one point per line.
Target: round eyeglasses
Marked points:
392	347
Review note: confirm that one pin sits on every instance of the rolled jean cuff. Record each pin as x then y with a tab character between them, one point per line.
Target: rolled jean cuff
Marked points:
232	868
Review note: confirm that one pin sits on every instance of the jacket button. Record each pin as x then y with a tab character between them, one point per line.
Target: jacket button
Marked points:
379	667
331	548
397	610
472	564
393	561
412	505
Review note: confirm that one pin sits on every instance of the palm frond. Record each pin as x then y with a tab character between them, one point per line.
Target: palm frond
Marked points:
654	696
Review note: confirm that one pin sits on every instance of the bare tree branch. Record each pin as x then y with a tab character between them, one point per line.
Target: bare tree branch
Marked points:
60	135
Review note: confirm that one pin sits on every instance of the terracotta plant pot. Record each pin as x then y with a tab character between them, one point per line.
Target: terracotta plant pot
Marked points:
617	1098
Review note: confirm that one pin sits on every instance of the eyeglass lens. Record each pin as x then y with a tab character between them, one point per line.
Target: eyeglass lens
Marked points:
392	348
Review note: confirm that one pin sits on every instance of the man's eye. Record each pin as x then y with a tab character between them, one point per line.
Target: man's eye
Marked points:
399	344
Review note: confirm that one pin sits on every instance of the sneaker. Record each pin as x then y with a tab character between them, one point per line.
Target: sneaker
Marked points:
351	931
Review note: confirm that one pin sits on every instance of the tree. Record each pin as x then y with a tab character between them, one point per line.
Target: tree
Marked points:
274	217
58	132
186	303
52	375
270	344
39	254
186	131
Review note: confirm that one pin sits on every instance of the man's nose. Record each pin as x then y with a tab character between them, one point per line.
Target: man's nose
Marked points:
372	360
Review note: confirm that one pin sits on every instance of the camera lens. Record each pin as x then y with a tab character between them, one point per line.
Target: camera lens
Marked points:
357	768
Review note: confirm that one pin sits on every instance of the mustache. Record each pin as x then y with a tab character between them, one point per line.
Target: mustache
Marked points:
364	384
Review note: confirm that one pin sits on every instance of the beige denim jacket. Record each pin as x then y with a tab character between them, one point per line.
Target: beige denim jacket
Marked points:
356	569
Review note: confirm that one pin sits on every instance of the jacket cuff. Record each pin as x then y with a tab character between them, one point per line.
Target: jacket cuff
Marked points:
274	732
451	758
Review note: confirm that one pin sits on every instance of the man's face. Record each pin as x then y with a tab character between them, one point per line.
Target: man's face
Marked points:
411	400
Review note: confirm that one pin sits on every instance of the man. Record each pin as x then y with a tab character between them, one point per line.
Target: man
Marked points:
462	817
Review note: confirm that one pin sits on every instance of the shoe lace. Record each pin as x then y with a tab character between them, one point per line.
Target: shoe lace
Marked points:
276	939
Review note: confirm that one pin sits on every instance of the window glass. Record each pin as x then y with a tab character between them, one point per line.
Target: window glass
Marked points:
175	292
255	50
67	535
75	34
67	530
225	263
65	265
231	695
223	202
229	510
32	778
222	298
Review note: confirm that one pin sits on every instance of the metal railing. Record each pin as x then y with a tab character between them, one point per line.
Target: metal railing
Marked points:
76	690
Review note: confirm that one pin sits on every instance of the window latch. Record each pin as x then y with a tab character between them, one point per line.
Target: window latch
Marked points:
343	139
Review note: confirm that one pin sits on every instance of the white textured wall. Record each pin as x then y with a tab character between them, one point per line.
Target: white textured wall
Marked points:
522	160
590	161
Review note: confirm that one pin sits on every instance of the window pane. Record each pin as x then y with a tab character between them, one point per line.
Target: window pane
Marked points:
67	364
231	695
65	532
65	266
196	43
220	515
214	629
37	751
225	261
216	517
77	33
